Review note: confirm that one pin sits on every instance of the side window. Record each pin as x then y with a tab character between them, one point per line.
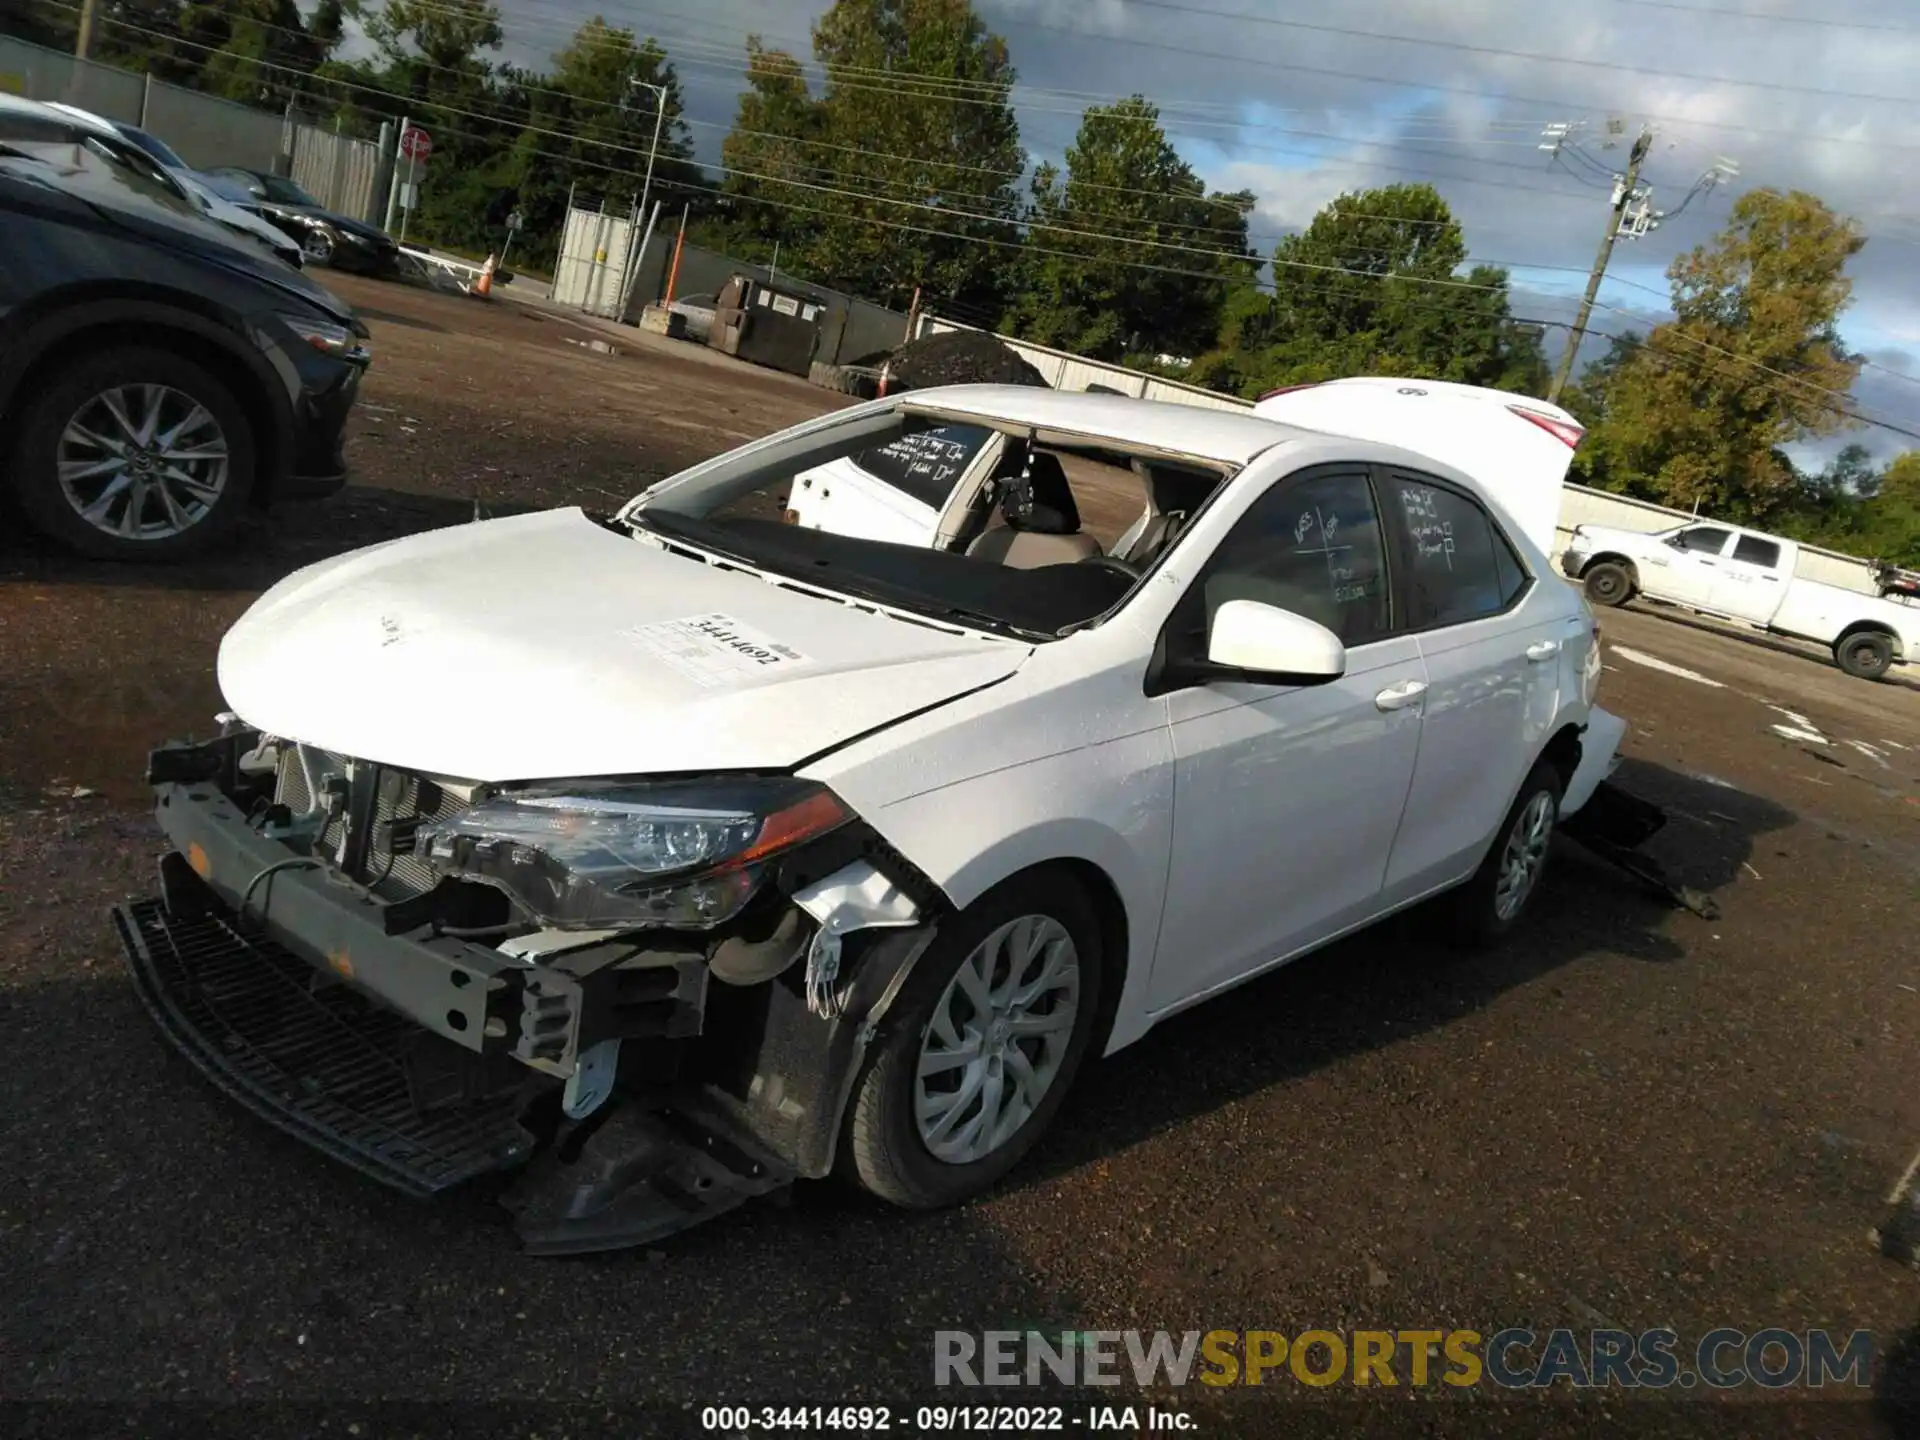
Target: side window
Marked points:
1456	556
1313	546
1703	539
1755	551
928	464
1513	575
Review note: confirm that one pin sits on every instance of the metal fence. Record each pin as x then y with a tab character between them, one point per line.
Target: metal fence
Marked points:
208	132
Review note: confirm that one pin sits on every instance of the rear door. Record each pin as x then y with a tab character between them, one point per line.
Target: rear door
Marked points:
896	492
1491	642
1748	583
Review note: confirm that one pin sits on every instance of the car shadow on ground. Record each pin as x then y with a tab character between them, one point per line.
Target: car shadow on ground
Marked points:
265	548
1760	641
1398	980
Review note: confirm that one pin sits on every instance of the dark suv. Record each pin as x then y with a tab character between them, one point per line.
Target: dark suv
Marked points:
156	376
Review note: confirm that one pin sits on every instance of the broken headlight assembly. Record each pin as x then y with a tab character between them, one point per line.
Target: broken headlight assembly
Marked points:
673	854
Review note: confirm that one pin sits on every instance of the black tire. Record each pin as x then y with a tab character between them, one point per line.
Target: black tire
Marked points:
881	1148
1865	654
317	246
1608	583
34	471
1473	912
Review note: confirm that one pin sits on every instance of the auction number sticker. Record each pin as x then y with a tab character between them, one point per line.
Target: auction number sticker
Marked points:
714	650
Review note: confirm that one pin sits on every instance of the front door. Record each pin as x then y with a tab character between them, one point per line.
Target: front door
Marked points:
1688	563
1493	668
1748	585
1286	799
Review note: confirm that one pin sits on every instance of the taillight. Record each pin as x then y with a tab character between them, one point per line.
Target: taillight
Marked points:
1287	390
1565	431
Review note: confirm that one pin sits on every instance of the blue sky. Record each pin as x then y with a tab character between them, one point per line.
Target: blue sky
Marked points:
1260	95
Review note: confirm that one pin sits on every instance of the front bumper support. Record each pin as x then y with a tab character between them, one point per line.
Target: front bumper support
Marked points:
314	1058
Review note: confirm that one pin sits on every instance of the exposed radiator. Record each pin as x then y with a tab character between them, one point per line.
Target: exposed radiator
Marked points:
402	802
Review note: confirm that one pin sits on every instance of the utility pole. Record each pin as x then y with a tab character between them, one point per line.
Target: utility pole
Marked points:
1626	192
83	40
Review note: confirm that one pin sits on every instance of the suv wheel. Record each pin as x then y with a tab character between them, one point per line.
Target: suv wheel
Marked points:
134	454
981	1046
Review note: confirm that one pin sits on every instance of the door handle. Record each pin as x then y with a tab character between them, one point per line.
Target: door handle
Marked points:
1543	650
1771	579
1398	697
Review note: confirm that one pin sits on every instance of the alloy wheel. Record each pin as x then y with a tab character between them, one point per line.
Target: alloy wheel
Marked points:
143	462
997	1039
1524	856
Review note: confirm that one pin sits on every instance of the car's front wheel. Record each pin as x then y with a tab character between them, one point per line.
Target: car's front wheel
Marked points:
1608	583
134	454
981	1046
1485	910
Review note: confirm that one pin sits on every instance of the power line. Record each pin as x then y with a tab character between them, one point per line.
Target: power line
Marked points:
1500	52
1771	17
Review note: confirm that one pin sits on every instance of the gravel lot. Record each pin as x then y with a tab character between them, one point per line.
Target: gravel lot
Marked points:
1628	1117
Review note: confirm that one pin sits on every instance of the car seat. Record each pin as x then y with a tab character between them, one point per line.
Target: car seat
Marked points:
1046	531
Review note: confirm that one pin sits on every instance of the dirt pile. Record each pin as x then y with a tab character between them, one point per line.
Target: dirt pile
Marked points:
959	357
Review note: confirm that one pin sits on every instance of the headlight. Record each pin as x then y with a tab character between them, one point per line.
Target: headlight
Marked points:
325	336
683	854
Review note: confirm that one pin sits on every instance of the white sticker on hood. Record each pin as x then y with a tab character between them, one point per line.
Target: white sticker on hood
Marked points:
714	650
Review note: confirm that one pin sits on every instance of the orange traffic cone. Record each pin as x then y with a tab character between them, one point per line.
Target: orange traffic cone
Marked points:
484	285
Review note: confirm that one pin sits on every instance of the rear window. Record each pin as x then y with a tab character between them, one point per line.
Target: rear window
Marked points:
1756	551
926	465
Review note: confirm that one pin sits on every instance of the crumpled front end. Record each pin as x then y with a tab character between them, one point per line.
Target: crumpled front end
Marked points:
308	955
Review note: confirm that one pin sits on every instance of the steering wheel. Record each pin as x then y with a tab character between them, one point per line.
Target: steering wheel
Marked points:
1114	563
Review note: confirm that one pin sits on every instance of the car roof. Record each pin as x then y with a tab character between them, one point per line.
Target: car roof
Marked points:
1226	437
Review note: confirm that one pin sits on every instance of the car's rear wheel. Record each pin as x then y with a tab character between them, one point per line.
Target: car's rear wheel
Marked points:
980	1048
1866	655
318	247
1486	909
134	454
1608	583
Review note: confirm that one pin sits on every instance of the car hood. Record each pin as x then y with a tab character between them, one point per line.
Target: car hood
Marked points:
549	646
339	222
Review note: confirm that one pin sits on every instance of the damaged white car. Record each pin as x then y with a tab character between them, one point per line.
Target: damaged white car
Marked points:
680	854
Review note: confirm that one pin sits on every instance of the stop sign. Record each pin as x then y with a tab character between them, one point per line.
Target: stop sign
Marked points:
415	143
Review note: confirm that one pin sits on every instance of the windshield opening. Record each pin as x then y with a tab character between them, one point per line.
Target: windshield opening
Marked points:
154	146
973	522
285	192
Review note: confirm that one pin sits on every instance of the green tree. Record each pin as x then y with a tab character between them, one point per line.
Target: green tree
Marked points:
1752	363
775	127
1372	286
916	134
261	52
1109	234
607	76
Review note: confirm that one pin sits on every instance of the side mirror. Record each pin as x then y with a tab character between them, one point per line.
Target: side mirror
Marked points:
1253	641
1677	542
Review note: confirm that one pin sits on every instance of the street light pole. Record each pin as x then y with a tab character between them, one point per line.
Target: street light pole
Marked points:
646	187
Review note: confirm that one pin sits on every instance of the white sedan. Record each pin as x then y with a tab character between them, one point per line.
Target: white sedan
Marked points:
936	823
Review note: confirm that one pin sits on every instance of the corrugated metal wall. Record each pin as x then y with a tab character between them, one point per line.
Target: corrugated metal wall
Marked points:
338	171
593	257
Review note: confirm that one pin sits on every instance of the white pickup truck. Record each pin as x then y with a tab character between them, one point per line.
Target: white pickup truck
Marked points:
1743	575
